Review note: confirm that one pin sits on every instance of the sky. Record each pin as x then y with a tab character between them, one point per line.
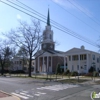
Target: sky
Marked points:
79	16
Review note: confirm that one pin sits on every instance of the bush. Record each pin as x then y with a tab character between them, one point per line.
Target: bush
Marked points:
75	73
89	74
92	69
96	74
6	71
17	72
37	71
92	74
58	69
67	72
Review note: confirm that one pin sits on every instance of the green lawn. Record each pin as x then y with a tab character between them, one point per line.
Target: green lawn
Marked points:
73	81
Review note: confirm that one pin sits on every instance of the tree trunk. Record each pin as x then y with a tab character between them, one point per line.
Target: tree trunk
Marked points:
2	70
30	60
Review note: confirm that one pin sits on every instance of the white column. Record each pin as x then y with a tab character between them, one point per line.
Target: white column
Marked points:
64	64
79	63
87	62
47	64
51	63
38	63
35	66
71	64
43	65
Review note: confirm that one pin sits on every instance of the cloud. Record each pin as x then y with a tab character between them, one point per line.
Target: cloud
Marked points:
72	4
1	29
18	16
63	3
81	8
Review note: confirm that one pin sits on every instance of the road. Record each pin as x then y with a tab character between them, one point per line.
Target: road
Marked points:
33	89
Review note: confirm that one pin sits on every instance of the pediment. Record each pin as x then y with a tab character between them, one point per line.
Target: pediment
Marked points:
76	50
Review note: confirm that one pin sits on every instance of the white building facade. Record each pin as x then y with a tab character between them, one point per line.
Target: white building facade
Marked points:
20	63
80	60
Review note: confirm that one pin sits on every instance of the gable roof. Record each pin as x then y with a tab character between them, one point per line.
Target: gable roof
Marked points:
41	52
78	51
55	51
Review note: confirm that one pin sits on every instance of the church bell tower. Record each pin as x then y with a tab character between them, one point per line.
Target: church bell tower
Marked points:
48	43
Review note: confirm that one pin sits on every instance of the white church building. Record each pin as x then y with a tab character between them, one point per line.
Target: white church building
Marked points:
75	59
47	59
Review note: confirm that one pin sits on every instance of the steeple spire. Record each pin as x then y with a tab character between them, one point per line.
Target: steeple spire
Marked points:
48	19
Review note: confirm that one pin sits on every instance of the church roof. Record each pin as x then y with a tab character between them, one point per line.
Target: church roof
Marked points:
78	50
40	52
54	51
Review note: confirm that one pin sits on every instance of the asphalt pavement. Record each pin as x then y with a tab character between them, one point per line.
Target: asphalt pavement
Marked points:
37	89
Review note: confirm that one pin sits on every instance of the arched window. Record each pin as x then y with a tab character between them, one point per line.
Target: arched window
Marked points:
50	36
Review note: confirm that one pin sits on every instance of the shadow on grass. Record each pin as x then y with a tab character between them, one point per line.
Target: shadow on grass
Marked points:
73	81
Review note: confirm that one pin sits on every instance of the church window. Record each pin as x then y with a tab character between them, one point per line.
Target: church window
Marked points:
85	67
77	67
20	62
93	56
85	57
81	57
72	68
97	60
69	58
44	37
50	36
75	57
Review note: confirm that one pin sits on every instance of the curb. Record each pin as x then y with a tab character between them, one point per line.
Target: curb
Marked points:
9	95
16	97
5	92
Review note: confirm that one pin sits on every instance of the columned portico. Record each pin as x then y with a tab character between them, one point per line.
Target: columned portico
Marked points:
64	64
47	63
38	63
34	66
87	62
43	64
71	64
79	63
51	64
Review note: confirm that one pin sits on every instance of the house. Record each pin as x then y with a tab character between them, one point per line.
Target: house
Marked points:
80	60
20	63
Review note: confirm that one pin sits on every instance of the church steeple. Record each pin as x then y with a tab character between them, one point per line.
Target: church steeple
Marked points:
48	43
48	19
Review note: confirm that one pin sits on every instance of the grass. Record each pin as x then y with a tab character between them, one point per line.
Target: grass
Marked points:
97	82
64	79
73	81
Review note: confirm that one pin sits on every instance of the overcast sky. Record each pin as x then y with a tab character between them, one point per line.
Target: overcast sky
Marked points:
80	16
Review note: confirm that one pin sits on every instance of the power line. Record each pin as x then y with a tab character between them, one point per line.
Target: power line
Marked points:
76	17
52	25
45	22
51	20
26	9
83	12
39	14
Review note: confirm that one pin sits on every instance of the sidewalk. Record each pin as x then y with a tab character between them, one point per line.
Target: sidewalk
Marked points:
88	82
6	96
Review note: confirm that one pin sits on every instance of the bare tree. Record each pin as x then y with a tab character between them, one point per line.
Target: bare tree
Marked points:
23	54
28	36
5	57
